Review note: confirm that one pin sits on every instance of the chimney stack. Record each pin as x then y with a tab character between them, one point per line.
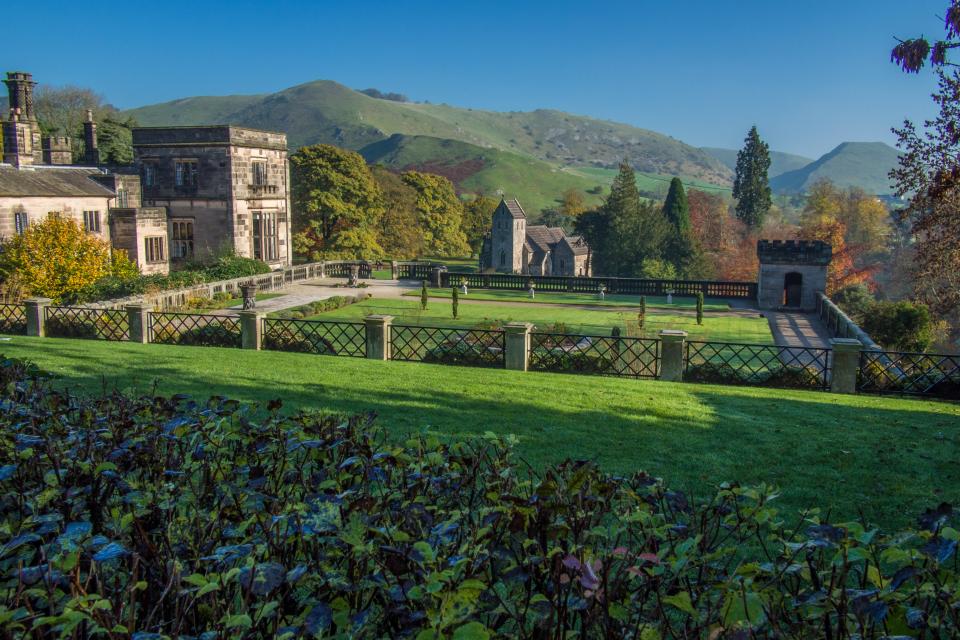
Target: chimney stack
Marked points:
21	131
92	154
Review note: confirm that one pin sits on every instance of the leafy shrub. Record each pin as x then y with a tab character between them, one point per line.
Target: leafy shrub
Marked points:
464	353
60	327
855	300
290	340
123	516
900	326
224	267
322	306
208	335
574	361
783	377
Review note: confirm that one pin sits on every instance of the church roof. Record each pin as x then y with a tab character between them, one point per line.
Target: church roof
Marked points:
44	181
578	245
543	237
513	206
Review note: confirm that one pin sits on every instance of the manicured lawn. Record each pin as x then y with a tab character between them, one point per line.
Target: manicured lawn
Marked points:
887	458
592	299
718	328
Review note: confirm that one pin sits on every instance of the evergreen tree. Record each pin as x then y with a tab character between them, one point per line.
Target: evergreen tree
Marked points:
642	316
681	247
455	301
424	296
751	188
700	307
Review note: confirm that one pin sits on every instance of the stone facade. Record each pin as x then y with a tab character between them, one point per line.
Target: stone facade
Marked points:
228	185
514	247
791	273
191	191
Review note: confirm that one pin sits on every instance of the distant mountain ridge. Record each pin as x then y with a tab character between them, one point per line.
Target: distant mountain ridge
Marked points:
780	162
850	164
325	111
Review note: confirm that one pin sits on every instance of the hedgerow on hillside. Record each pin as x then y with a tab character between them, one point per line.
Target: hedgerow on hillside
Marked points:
166	517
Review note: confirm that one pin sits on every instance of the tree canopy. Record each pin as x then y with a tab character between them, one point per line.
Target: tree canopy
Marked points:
440	214
477	216
338	204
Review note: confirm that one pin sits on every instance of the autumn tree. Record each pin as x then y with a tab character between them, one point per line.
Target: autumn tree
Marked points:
440	214
572	203
929	171
709	219
398	229
57	257
751	187
338	202
477	220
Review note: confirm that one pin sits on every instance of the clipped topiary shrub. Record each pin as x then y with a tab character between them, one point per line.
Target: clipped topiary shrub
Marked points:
290	340
162	517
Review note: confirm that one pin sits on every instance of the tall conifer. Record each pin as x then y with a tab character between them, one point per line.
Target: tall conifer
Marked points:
681	249
751	187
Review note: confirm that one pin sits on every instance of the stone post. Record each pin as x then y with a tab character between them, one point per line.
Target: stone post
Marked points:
517	345
36	310
671	354
323	269
435	279
846	364
378	336
138	317
393	269
251	328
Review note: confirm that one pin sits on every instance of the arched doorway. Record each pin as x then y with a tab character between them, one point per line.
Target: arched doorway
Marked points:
793	290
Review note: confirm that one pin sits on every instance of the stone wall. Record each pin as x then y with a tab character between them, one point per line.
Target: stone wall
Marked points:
129	229
37	208
770	285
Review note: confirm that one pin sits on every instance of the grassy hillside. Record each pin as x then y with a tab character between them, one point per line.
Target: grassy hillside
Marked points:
324	111
535	183
779	162
851	164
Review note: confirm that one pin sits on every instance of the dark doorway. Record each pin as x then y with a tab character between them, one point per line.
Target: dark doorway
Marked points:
793	290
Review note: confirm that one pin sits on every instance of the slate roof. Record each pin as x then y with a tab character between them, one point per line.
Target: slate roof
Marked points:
543	237
578	245
46	181
514	208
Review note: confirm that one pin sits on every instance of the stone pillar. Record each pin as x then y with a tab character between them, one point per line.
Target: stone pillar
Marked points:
517	345
138	316
846	364
378	336
323	269
251	328
36	310
393	269
671	354
435	279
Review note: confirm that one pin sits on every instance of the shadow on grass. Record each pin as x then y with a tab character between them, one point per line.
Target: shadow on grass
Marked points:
887	458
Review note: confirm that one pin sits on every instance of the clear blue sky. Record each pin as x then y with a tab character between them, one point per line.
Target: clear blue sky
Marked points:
810	74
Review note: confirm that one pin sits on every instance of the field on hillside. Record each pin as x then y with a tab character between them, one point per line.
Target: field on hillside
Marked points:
885	458
721	328
658	184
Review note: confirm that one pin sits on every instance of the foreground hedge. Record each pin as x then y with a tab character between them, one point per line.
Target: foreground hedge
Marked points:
164	517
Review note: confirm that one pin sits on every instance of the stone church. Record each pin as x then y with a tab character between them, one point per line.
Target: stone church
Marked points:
190	192
514	247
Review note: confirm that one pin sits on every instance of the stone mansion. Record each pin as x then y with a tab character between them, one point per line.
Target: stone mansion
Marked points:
514	247
190	192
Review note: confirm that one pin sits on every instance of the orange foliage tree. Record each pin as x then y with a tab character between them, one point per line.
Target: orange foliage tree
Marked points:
56	257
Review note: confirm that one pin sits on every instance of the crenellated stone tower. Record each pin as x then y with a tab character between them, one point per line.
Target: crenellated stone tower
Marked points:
791	273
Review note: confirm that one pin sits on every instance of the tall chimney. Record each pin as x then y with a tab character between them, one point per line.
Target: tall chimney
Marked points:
20	89
92	154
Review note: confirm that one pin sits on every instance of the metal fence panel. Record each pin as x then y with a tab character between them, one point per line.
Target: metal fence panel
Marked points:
757	365
81	322
599	355
194	329
582	284
13	319
923	374
315	336
443	345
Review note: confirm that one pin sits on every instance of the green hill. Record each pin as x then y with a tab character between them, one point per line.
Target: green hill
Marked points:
325	111
779	162
537	184
851	164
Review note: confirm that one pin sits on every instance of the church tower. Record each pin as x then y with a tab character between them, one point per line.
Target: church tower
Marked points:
508	238
21	131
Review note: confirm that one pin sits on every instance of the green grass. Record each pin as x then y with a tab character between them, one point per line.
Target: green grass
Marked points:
718	328
888	458
591	299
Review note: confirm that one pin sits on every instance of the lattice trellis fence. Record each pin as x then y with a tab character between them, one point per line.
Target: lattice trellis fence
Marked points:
472	347
314	336
612	356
